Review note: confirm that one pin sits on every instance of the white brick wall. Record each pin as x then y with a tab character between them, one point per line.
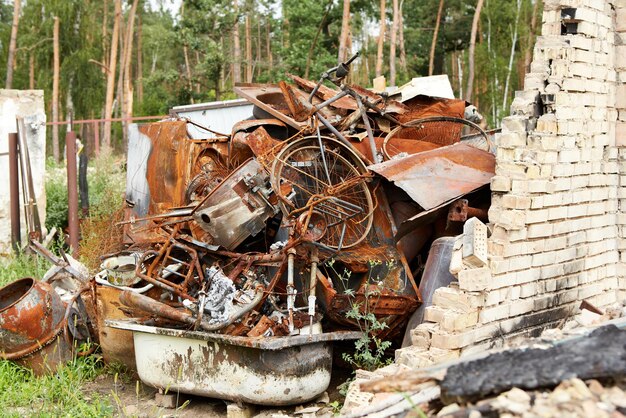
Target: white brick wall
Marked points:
558	214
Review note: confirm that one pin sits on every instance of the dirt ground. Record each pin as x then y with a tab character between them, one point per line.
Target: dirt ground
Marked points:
134	399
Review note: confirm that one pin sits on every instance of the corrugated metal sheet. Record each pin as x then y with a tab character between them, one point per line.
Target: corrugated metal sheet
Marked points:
217	116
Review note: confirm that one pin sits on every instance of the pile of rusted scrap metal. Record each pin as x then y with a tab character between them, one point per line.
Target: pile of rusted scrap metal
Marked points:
263	240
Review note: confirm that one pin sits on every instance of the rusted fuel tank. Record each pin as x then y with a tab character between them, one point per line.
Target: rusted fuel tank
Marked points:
31	325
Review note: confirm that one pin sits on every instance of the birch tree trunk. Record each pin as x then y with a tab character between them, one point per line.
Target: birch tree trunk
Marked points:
472	50
345	32
392	46
433	44
236	47
381	39
108	107
55	89
12	43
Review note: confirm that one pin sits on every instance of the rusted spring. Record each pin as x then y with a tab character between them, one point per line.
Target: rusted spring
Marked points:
415	124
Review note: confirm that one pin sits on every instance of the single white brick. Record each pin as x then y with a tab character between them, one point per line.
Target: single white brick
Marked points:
475	243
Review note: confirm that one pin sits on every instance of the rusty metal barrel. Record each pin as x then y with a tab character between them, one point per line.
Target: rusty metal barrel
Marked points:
31	317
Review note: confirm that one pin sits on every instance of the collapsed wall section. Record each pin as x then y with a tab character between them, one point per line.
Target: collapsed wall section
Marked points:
557	220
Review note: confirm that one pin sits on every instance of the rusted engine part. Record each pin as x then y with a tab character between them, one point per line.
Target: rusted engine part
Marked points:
167	170
238	207
265	371
32	324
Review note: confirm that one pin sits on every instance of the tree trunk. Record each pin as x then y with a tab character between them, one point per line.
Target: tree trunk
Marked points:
105	15
31	71
381	40
401	40
512	56
392	46
345	31
55	89
433	44
236	47
12	43
531	37
472	49
258	59
270	61
127	95
108	106
314	43
140	57
248	49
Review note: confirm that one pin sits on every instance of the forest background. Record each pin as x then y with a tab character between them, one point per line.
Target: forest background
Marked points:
124	58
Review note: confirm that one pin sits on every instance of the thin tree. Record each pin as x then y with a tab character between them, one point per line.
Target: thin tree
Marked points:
401	39
433	44
345	32
31	71
236	46
108	106
270	60
512	55
531	36
381	39
392	46
12	43
314	43
248	49
472	49
127	95
55	89
140	56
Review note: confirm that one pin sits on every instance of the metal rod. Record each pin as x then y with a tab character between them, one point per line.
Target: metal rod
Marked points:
72	189
290	287
319	140
340	137
14	187
31	210
312	286
329	101
368	128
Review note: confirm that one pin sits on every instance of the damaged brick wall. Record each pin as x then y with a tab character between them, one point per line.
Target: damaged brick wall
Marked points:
558	235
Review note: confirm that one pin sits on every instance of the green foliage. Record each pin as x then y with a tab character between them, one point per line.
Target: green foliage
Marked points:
20	266
61	394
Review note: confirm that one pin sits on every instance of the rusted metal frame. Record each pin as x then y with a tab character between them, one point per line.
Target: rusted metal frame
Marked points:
196	124
325	103
368	128
340	137
72	191
31	211
14	192
162	283
193	264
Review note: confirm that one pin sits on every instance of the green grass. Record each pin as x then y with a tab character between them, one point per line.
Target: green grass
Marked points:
20	266
59	395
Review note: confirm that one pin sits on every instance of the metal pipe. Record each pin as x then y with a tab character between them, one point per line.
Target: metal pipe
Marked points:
368	128
340	137
290	286
31	211
14	187
72	190
312	286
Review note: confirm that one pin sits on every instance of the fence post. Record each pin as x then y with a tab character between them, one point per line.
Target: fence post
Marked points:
72	190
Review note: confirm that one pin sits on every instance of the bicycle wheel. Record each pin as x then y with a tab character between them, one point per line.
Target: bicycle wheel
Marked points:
331	180
439	130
